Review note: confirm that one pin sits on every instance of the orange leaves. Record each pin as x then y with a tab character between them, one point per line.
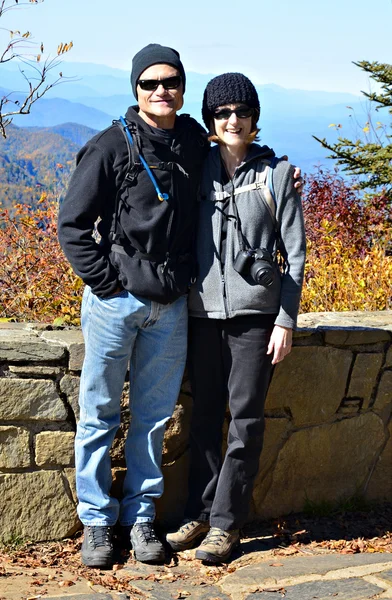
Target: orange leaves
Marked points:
63	48
36	282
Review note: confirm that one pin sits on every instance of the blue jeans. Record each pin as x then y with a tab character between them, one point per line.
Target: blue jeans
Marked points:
153	338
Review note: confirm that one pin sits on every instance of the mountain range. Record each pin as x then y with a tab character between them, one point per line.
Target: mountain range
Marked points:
90	96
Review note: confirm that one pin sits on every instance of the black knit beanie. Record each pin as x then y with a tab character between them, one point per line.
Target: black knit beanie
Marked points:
154	54
229	88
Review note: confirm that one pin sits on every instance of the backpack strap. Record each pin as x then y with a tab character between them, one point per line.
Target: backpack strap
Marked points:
263	181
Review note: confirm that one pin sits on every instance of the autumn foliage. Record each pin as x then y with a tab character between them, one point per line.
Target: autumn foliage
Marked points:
349	262
349	259
36	281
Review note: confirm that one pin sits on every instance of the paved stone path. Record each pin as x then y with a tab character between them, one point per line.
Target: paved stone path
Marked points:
322	577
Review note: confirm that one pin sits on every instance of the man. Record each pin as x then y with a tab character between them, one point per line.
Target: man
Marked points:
134	305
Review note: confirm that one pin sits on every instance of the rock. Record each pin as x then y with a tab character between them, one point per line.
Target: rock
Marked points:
35	506
118	476
347	337
311	383
69	385
347	320
170	507
54	448
177	430
36	370
117	452
264	574
30	399
71	478
384	392
364	376
276	432
308	340
380	484
14	448
349	589
388	359
324	463
18	346
72	339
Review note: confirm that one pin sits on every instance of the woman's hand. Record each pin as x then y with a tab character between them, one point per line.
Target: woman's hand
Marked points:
280	343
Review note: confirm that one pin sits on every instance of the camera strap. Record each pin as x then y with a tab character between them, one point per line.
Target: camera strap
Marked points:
263	183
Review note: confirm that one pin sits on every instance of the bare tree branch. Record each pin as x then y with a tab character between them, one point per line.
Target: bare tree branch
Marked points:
24	50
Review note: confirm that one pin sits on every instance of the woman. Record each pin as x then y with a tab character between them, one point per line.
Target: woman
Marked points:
243	309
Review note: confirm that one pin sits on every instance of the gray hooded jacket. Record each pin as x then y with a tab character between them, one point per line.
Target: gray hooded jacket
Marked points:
223	295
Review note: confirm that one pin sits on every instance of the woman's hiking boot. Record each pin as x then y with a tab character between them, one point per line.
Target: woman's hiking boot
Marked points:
188	535
218	545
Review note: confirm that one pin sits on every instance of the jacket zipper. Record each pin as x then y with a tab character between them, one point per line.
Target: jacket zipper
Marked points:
224	288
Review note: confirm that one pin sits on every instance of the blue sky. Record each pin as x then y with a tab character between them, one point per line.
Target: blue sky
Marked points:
305	44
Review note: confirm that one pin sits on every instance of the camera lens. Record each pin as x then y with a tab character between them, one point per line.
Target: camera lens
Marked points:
262	272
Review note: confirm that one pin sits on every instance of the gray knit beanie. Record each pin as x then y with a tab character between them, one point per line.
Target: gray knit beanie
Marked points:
229	88
154	54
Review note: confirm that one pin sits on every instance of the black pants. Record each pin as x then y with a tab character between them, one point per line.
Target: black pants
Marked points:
227	358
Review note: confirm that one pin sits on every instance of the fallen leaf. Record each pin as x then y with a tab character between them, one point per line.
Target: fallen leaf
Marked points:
66	583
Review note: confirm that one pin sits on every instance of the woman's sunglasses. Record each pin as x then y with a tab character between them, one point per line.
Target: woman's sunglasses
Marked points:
243	112
170	83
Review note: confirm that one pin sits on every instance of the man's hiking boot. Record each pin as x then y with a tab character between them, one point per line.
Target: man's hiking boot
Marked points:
218	545
145	543
97	546
188	535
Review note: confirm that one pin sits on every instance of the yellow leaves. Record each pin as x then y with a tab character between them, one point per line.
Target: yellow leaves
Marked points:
337	279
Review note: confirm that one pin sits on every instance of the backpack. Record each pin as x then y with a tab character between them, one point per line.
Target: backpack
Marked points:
137	163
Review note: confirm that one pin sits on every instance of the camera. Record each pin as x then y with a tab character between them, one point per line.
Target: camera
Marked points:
258	263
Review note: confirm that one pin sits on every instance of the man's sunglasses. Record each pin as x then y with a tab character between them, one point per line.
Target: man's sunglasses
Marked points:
243	112
170	83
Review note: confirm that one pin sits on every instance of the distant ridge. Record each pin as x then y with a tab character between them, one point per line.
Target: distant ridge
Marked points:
34	160
289	117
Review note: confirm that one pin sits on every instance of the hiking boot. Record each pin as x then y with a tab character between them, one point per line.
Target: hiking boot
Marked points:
97	546
218	545
188	535
146	546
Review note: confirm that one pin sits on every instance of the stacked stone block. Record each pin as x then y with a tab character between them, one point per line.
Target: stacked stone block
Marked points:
328	425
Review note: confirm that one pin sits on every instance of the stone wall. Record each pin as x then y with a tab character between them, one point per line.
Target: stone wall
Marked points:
328	424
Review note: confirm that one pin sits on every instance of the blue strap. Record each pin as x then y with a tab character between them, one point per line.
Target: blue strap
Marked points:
161	196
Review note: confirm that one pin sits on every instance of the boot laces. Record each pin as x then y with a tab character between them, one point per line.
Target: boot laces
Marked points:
216	535
147	532
100	536
188	526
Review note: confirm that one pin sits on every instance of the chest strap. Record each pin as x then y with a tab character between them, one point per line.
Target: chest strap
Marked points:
261	183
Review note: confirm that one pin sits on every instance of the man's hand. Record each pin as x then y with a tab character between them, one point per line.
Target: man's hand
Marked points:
280	343
299	181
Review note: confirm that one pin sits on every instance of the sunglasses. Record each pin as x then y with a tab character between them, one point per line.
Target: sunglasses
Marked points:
170	83
243	112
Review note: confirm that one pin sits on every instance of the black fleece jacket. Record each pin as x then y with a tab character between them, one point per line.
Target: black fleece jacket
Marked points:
145	224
